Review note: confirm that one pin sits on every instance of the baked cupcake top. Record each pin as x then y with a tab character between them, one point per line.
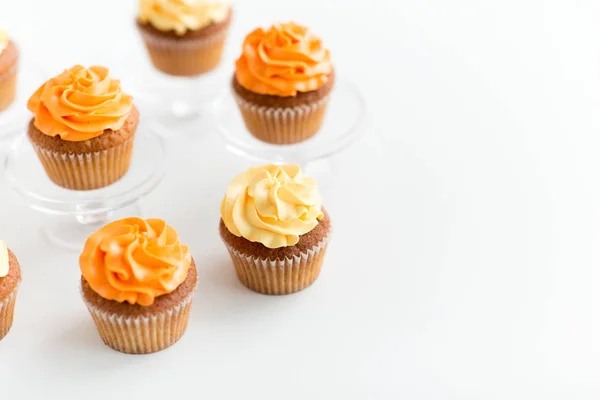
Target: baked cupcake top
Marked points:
80	104
3	39
272	204
181	16
282	61
134	260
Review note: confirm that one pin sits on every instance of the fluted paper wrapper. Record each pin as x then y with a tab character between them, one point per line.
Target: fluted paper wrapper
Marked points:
278	125
142	334
86	171
7	313
185	57
279	277
8	87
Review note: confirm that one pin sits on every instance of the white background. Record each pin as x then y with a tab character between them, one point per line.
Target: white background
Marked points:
465	258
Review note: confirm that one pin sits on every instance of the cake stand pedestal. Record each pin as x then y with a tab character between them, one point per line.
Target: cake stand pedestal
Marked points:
176	106
343	125
73	215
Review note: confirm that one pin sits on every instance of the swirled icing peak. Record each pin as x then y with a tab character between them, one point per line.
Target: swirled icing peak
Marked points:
283	60
181	16
80	104
4	264
134	260
272	204
3	39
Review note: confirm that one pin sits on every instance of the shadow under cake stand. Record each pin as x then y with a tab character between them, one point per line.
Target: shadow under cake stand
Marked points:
344	124
74	215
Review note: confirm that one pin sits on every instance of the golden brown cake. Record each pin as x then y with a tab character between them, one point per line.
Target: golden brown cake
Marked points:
9	57
10	278
282	83
84	140
184	38
138	283
275	229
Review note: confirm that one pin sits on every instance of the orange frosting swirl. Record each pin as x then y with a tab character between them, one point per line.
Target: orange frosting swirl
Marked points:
282	61
134	260
80	104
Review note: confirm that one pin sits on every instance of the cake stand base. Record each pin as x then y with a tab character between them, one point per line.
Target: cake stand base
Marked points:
71	232
74	215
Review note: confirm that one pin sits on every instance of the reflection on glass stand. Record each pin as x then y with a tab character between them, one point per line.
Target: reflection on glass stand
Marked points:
74	215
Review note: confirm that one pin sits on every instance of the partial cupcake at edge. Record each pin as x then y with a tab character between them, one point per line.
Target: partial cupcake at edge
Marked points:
275	228
138	283
10	278
83	128
9	58
282	83
184	38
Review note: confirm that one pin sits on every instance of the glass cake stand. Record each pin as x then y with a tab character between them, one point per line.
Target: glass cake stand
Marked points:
14	119
74	215
177	106
344	124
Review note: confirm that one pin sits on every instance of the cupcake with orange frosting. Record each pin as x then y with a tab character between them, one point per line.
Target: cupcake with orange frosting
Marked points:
83	128
10	278
138	282
282	83
184	37
275	228
9	58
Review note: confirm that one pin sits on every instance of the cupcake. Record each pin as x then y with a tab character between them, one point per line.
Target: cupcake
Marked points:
275	229
138	282
8	70
184	37
10	278
282	83
83	129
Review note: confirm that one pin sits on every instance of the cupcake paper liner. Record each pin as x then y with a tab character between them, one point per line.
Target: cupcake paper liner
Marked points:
8	87
7	313
185	57
142	334
86	171
283	125
279	277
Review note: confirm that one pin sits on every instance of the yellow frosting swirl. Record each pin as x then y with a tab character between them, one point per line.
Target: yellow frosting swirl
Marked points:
182	15
272	204
135	260
3	39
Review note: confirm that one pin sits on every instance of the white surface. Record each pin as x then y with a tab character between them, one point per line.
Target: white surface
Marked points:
465	260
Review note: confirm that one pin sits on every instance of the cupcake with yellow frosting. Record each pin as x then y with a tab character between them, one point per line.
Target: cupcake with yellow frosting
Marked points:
83	128
184	37
275	228
282	83
138	282
9	57
10	278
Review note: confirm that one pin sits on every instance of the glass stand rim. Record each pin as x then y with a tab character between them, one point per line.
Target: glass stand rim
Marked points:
338	132
43	196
